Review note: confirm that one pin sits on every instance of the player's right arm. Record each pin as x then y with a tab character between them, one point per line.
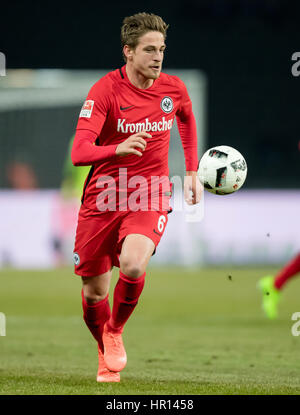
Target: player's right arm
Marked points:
91	120
85	153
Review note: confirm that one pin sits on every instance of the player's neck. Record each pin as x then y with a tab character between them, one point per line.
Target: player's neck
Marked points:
137	79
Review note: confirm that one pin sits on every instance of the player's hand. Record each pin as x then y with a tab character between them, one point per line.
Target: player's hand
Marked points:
193	188
133	144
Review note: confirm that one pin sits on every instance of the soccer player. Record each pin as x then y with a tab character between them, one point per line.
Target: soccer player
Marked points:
128	115
272	285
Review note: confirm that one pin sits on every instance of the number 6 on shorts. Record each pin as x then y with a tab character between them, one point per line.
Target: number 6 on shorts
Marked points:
161	223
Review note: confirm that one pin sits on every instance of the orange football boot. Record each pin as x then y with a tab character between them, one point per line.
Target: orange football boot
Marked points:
115	357
104	374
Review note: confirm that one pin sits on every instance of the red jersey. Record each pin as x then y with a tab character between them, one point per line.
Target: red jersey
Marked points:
114	110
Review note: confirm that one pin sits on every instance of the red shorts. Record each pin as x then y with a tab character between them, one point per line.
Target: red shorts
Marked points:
99	237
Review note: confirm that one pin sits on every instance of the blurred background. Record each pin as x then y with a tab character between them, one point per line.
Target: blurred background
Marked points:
236	59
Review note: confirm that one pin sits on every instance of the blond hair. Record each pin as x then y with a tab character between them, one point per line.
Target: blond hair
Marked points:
139	24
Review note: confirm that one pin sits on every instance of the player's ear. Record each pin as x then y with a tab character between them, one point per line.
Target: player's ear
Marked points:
128	52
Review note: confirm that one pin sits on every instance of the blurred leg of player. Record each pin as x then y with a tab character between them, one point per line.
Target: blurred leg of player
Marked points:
289	271
135	254
271	286
96	311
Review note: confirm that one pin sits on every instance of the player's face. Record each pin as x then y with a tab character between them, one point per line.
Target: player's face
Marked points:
148	55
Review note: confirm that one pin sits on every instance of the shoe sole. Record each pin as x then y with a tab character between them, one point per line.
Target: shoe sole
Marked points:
104	379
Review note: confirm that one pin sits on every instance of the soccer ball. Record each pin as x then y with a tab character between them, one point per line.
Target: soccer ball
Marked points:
222	170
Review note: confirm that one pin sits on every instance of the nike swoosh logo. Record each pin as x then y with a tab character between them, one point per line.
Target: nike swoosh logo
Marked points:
156	232
125	108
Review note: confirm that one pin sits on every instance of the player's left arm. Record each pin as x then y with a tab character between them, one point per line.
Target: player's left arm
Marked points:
188	133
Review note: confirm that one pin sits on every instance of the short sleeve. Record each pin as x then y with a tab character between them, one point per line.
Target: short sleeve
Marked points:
95	108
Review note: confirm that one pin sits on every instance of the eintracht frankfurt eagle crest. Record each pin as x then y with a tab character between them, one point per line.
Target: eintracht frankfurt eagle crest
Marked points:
166	104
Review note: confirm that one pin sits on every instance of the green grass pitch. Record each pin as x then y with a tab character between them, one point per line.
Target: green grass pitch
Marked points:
193	332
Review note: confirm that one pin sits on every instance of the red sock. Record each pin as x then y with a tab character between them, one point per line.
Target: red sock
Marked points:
126	295
95	316
292	268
